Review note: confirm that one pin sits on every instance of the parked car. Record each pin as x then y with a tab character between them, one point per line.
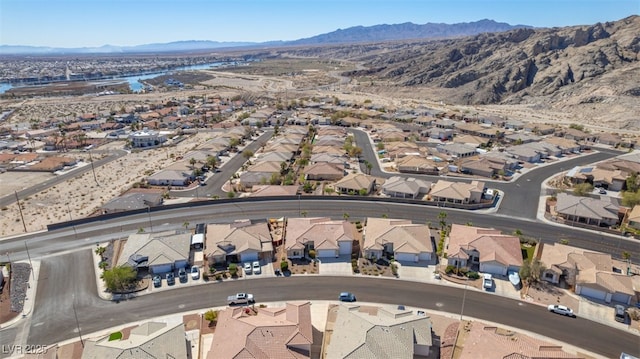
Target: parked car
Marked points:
182	274
603	191
247	268
561	309
157	281
195	273
620	313
347	297
487	281
171	279
256	267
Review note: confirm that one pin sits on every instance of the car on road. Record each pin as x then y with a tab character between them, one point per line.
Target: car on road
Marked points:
561	309
182	274
247	268
240	298
347	297
171	279
195	273
256	267
157	281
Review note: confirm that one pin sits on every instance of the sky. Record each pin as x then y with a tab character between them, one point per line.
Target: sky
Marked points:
91	23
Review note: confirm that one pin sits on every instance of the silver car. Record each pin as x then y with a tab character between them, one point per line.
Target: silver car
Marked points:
561	309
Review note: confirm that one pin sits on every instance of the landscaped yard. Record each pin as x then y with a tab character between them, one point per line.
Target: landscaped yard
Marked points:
375	268
527	251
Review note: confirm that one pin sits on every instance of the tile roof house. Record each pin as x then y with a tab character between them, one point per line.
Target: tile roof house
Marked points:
330	150
402	187
354	182
487	248
609	139
324	157
592	211
592	273
633	218
273	332
132	201
378	332
417	164
406	241
612	179
458	150
525	153
274	190
240	241
488	341
148	340
329	238
485	167
159	252
457	192
169	177
324	171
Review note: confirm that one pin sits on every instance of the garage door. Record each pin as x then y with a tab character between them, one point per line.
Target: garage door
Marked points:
406	257
593	293
326	253
621	297
493	269
345	248
247	257
161	268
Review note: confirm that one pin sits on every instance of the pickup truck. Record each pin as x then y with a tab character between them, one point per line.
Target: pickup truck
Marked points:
240	298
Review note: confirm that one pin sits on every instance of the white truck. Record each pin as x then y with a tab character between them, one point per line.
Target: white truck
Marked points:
240	298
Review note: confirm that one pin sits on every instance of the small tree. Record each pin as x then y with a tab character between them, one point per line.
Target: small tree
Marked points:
119	279
345	216
284	266
247	154
211	316
233	269
582	189
312	254
100	251
186	225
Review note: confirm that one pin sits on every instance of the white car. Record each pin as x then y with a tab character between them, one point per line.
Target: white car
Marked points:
195	273
561	309
256	267
247	268
487	281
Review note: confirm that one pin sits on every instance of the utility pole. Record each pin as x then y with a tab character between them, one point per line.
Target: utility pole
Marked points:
75	314
93	169
33	275
149	215
21	215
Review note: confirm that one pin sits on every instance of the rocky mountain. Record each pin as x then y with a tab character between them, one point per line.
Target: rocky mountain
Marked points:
406	31
590	72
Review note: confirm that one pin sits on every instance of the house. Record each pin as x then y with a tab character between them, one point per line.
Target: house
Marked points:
272	332
132	201
484	167
158	252
240	241
353	183
525	153
417	164
633	218
170	178
612	179
378	332
324	157
146	138
458	150
327	237
512	124
471	140
609	139
486	250
324	171
565	145
273	190
457	192
592	211
488	341
402	187
400	238
520	138
591	273
252	178
148	340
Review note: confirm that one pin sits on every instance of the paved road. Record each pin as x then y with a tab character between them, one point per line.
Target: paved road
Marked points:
9	199
40	244
214	183
53	320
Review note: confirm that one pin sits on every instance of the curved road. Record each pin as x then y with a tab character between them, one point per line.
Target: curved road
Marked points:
95	315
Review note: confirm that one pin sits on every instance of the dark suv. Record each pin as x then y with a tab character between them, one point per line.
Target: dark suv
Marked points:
182	274
171	279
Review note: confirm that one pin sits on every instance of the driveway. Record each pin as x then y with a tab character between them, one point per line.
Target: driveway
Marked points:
335	266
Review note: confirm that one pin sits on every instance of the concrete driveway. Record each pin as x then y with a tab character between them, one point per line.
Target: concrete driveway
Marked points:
335	266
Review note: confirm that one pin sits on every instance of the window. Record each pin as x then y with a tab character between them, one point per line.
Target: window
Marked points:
548	275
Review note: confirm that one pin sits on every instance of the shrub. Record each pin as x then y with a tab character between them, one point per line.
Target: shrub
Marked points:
115	336
284	266
312	254
233	269
218	276
450	269
473	275
211	315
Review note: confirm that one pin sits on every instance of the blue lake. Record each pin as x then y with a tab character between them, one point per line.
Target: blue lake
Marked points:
134	81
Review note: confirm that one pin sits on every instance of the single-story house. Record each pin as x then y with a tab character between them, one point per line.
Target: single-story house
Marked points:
158	252
458	150
354	182
457	192
633	218
379	332
327	237
402	187
170	178
272	332
404	240
132	201
593	211
324	171
417	164
240	241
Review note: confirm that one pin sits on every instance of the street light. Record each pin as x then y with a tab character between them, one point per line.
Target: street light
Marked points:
33	275
149	215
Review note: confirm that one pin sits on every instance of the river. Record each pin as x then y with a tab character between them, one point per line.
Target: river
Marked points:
134	81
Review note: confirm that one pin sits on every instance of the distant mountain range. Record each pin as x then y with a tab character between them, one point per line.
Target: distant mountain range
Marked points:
356	34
